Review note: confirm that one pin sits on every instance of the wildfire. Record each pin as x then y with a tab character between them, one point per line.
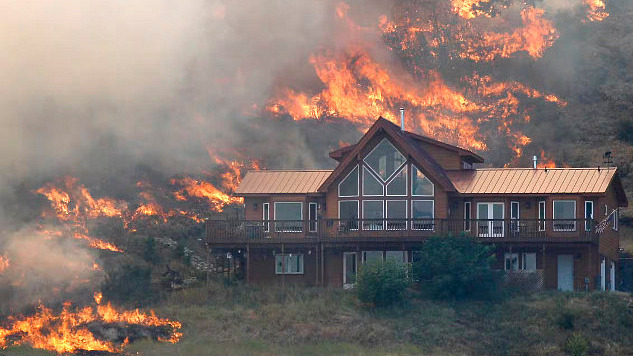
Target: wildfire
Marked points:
205	190
545	162
596	10
69	331
4	263
466	8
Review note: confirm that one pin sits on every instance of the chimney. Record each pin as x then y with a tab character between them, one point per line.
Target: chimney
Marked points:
534	161
402	119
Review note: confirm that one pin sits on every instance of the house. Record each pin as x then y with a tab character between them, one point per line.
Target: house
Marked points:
394	189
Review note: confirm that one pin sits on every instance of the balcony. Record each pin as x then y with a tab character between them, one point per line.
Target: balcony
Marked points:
233	231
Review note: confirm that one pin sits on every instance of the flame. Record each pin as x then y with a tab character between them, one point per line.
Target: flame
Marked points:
536	35
68	332
465	8
205	190
545	162
4	263
596	10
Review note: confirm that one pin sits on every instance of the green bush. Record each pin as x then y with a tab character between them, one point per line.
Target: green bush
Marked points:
457	268
129	283
381	283
150	253
576	345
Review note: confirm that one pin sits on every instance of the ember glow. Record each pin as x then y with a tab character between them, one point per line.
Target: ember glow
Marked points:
596	10
4	263
203	190
69	330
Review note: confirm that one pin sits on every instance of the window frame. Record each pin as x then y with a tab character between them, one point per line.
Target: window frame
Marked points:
313	222
346	283
285	264
554	228
266	216
300	221
542	207
505	261
514	220
357	184
382	185
414	176
381	225
422	219
589	219
404	169
406	214
523	264
357	212
377	173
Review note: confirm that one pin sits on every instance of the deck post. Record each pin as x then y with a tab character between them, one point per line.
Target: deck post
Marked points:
248	263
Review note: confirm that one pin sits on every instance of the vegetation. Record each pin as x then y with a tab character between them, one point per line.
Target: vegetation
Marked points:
381	283
457	268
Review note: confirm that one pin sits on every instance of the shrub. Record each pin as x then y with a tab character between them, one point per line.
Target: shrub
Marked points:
576	345
457	268
150	253
129	283
382	283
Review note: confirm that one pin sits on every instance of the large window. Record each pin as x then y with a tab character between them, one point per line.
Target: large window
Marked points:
588	215
385	160
289	264
371	185
514	216
266	216
396	214
564	215
348	214
373	215
289	216
422	213
420	184
312	217
349	185
398	184
541	216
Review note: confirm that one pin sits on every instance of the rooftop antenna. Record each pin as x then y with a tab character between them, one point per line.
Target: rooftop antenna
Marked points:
607	160
402	119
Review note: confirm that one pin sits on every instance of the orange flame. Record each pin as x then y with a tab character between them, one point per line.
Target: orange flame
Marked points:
4	263
596	10
545	162
205	190
68	331
464	8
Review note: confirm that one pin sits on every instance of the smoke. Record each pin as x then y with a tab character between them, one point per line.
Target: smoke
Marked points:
45	270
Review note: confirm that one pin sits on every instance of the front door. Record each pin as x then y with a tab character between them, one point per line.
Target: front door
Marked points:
566	272
490	219
349	269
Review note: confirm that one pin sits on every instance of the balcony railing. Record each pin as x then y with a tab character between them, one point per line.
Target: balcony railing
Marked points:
410	228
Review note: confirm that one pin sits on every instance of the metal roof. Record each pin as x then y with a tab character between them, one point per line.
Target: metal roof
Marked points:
532	181
282	182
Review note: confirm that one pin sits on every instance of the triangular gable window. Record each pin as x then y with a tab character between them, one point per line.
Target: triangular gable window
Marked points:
349	185
385	160
420	184
371	185
398	185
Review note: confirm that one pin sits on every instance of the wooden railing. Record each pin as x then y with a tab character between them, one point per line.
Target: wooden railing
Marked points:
504	229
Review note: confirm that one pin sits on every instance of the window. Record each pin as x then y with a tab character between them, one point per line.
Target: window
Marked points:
422	212
490	219
511	261
420	184
467	216
541	215
370	256
528	261
349	185
312	217
385	160
514	216
289	264
616	214
266	216
371	185
564	215
373	214
398	256
350	268
398	184
396	214
289	216
588	215
348	214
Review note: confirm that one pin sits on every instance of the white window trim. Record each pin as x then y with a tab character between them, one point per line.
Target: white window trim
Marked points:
357	184
302	259
357	210
397	169
616	216
432	218
381	225
382	185
414	176
316	217
542	221
468	221
523	264
554	215
364	255
406	213
275	216
515	220
266	216
406	179
588	222
491	222
510	255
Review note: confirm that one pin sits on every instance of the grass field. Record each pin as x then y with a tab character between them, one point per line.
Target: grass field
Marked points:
249	321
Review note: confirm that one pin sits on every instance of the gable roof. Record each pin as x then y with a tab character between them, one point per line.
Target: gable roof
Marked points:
282	182
340	153
434	171
537	181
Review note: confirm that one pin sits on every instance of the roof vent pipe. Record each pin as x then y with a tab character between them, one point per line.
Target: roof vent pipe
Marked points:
534	161
402	119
